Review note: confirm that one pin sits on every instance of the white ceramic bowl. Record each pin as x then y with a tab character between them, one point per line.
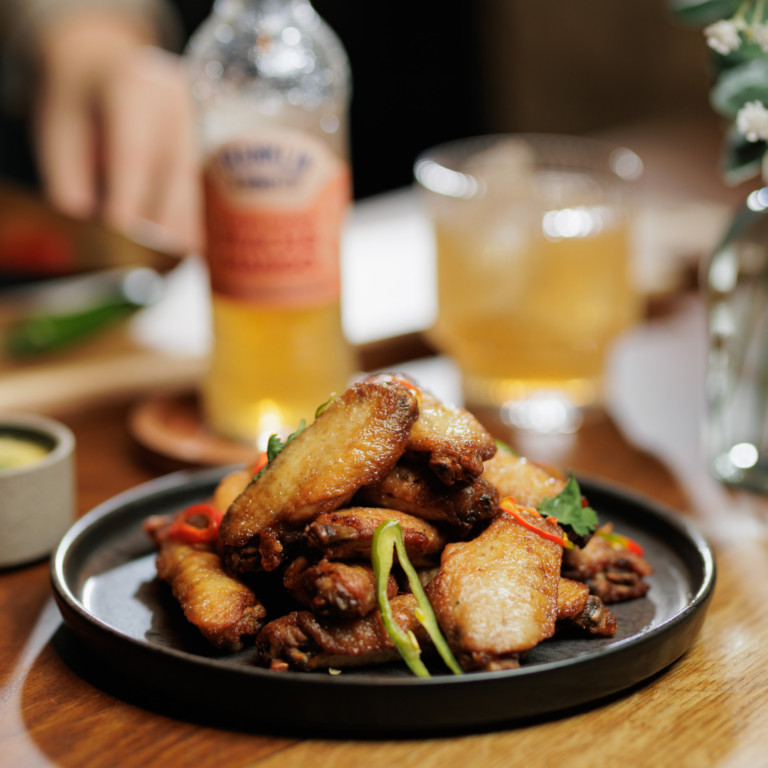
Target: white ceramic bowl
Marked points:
37	500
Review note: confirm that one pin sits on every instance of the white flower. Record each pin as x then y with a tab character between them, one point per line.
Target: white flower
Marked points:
723	36
752	121
759	33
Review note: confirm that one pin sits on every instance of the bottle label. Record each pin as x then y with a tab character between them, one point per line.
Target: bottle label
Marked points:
274	207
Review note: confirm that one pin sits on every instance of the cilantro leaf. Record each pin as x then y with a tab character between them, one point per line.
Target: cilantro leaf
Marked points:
293	435
275	445
566	507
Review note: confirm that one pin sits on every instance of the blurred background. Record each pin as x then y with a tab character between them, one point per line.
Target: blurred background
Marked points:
443	70
436	71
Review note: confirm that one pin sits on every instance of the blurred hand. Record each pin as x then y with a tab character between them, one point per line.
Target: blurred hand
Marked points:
114	131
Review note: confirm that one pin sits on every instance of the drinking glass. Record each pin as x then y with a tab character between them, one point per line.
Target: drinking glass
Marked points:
735	286
533	270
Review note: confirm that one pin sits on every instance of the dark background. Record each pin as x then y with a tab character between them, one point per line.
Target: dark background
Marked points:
429	71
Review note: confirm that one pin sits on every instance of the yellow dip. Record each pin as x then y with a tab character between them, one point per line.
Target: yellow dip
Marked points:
17	452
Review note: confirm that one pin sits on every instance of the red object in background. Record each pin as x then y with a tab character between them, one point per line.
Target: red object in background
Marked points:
27	249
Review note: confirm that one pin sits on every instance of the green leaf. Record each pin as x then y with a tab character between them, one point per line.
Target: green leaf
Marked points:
703	11
294	435
736	86
275	445
741	159
746	52
566	507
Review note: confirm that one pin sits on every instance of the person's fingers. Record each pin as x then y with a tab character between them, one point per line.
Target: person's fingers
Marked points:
65	149
178	206
130	137
150	157
76	52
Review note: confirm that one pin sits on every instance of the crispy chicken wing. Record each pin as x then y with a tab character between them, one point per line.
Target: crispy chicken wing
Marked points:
348	533
333	588
450	439
302	641
571	598
356	441
576	607
495	597
415	490
611	572
515	476
221	607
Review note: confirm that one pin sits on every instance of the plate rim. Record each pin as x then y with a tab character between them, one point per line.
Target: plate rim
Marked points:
180	479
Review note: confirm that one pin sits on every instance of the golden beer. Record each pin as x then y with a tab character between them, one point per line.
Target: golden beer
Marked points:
271	86
272	367
536	318
533	267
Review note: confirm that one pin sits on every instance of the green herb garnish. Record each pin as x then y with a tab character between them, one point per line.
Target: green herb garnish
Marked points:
321	408
566	507
275	445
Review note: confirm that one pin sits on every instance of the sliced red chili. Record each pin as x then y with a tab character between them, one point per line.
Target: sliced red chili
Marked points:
406	383
508	505
184	530
261	462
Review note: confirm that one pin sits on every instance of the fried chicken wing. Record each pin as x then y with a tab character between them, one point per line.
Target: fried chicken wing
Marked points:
221	607
495	597
611	572
450	439
577	608
571	598
333	588
356	441
302	641
230	487
515	476
415	490
348	534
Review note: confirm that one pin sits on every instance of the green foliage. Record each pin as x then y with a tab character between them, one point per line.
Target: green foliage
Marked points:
746	52
742	77
740	84
703	11
740	159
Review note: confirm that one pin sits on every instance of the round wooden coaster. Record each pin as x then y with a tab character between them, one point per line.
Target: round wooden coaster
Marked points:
171	428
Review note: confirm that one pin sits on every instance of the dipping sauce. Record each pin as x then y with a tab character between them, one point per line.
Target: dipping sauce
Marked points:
17	452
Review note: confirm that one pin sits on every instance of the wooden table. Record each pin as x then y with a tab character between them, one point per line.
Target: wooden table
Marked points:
710	708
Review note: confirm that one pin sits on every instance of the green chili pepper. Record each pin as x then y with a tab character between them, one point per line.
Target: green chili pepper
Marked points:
388	535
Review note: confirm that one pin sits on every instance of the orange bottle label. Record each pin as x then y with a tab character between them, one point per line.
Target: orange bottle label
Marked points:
274	208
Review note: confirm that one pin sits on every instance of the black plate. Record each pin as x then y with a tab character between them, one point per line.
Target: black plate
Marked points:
104	581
